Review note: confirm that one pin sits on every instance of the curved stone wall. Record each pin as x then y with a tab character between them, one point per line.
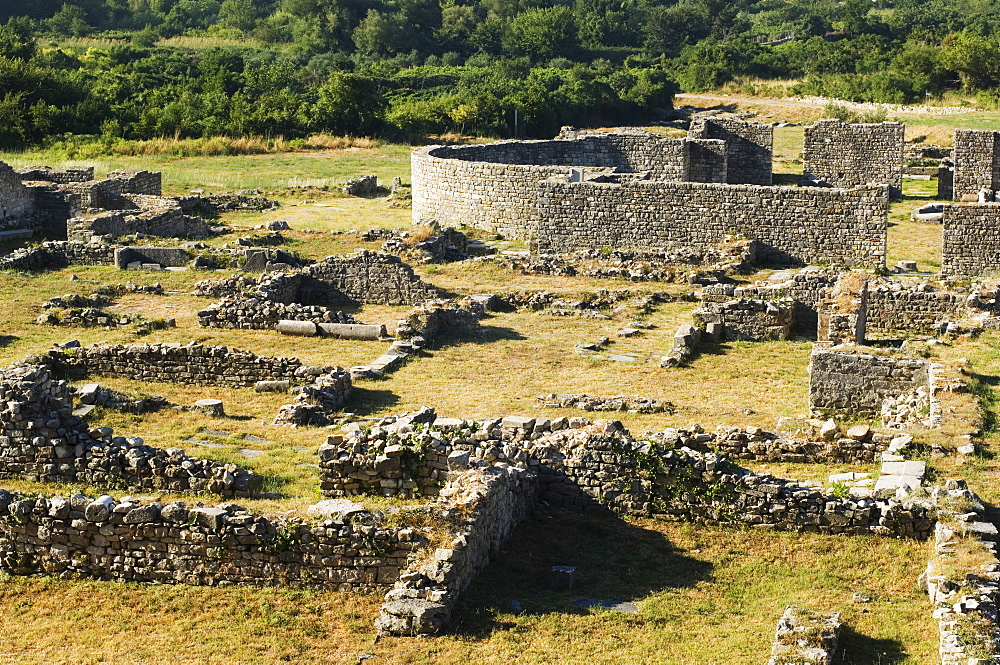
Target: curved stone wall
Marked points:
496	186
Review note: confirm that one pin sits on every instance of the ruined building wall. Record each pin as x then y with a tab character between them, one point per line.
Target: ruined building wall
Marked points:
43	441
749	147
895	311
800	225
192	364
846	155
170	543
971	245
496	186
977	162
858	382
371	278
16	201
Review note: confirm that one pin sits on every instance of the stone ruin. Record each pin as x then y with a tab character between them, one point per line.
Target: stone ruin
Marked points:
484	476
71	204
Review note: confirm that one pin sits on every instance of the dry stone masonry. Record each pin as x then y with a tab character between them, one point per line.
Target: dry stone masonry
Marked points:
971	246
849	380
132	540
749	147
977	163
580	464
846	155
41	439
798	225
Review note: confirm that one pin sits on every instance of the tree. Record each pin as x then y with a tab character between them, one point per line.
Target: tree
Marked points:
349	104
16	40
71	21
541	34
239	14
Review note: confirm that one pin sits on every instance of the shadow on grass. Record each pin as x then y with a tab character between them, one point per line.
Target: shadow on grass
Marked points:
365	401
614	560
984	387
8	339
786	179
857	649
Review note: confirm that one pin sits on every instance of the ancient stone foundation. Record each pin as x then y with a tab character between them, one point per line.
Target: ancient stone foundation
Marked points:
849	380
42	440
172	543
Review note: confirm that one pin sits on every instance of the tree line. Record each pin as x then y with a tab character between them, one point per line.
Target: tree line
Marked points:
120	69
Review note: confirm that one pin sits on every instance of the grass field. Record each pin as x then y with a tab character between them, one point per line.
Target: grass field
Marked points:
704	595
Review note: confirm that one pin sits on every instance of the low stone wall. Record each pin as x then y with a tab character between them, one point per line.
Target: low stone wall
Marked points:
853	381
581	464
60	176
806	289
191	364
436	317
895	310
138	181
58	254
316	402
846	155
16	200
257	314
371	278
128	541
162	221
960	579
162	256
971	244
797	225
485	503
749	320
41	440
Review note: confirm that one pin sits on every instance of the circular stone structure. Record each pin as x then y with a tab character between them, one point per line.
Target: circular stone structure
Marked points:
495	186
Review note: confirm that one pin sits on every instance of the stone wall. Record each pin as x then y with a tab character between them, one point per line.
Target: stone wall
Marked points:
259	314
971	245
977	162
128	541
43	441
191	364
58	254
805	289
485	504
371	278
749	320
495	186
749	147
165	221
137	181
856	382
801	225
707	161
59	176
17	204
846	155
895	310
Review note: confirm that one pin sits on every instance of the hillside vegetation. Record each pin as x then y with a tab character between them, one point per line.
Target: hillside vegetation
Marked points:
117	70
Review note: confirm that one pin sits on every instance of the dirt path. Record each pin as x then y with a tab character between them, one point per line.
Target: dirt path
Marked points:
820	102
